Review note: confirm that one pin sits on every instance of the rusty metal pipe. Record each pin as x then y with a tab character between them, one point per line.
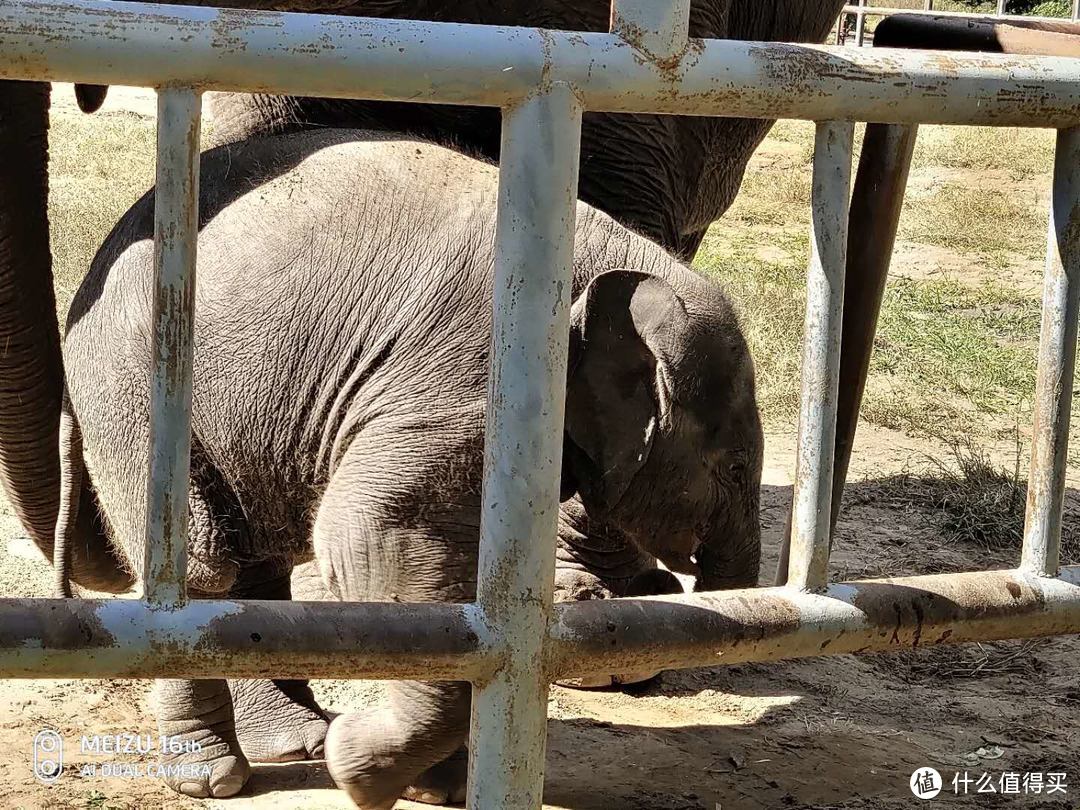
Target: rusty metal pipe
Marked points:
100	42
123	638
126	638
812	494
534	254
658	27
176	225
764	624
1057	363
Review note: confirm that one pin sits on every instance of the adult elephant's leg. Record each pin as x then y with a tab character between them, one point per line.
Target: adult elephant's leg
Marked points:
276	720
199	715
876	201
383	534
224	725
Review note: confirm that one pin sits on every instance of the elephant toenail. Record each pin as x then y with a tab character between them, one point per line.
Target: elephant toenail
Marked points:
195	790
228	786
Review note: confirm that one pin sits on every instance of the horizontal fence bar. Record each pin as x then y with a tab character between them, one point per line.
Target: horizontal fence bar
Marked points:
765	624
176	223
125	638
1057	363
100	42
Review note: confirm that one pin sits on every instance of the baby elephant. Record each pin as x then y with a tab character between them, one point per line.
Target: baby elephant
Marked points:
342	323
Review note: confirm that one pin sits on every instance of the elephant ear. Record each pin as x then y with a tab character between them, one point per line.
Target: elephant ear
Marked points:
619	381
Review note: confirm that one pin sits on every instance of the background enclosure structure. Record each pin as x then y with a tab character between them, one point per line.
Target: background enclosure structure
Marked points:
513	641
862	9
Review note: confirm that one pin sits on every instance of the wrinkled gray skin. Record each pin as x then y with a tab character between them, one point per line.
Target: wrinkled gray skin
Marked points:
344	419
666	177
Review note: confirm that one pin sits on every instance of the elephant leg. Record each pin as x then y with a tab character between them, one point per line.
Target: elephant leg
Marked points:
444	783
276	720
593	560
378	754
231	723
596	561
876	201
199	714
417	546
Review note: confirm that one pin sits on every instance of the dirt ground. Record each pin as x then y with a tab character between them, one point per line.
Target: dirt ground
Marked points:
838	732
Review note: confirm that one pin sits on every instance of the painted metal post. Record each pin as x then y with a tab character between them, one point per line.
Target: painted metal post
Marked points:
176	218
860	24
1057	361
1000	7
659	27
523	442
808	568
1076	10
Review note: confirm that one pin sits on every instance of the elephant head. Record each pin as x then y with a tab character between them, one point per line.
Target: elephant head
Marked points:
663	438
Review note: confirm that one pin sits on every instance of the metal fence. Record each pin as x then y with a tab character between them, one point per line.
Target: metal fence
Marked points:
862	9
512	641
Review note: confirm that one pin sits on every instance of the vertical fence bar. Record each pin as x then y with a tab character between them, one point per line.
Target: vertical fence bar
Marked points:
176	218
523	445
660	27
808	567
860	24
1057	361
1076	10
1000	7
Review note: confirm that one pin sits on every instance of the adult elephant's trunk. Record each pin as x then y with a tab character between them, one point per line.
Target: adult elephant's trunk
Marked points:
31	368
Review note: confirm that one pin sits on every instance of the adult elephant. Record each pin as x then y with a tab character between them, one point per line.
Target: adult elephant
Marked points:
345	419
665	177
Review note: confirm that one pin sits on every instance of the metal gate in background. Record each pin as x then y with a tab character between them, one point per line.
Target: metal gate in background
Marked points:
861	9
512	641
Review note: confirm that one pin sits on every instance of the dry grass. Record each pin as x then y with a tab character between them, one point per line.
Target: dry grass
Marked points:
966	662
1023	153
99	165
985	222
970	501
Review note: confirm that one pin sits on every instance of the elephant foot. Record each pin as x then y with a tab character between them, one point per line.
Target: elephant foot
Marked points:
197	717
361	757
377	755
445	783
654	581
278	721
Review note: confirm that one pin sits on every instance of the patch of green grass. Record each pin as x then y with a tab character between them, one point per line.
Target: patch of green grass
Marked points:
951	354
98	166
947	356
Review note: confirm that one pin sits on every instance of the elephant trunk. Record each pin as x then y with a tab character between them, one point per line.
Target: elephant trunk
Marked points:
31	366
730	556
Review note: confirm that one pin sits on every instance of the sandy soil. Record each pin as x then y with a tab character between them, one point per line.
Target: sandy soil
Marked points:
828	732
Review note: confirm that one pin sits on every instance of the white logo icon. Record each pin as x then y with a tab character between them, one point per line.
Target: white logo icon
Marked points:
925	783
48	756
